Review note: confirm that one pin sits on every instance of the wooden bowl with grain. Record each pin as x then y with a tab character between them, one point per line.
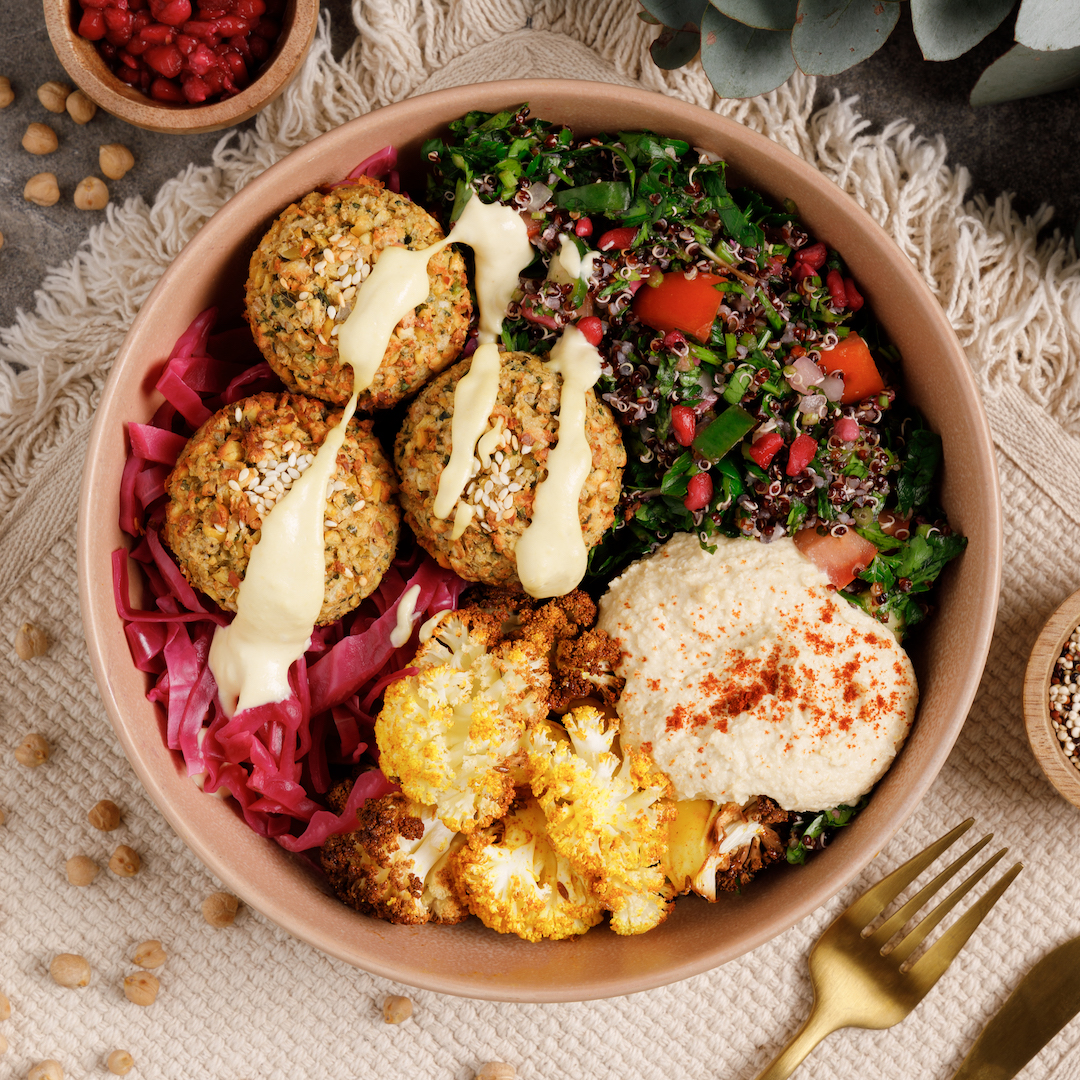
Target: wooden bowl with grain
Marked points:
91	74
1042	735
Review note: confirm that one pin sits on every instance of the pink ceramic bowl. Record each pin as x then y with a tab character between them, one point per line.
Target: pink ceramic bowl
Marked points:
468	959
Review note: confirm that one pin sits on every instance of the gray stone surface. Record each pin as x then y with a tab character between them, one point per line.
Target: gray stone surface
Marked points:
1025	147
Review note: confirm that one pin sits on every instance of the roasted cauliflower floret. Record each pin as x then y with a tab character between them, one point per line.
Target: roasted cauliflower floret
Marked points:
608	814
394	864
713	847
584	667
451	733
515	882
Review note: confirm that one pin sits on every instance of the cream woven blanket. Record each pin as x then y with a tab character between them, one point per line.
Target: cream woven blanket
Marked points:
251	1003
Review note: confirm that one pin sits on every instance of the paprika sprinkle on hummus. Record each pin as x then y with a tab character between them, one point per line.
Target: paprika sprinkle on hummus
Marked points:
747	674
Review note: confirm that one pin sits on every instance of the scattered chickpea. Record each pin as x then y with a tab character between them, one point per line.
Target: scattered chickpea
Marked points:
40	139
150	954
53	95
31	641
120	1063
5	1007
141	988
70	970
496	1070
396	1009
7	95
115	160
80	108
42	189
32	751
125	861
219	909
81	870
46	1070
91	194
104	815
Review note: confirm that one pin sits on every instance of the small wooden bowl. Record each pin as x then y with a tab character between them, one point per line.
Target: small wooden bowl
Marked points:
91	74
1060	771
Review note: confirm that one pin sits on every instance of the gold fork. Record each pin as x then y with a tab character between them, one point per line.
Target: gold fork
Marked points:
859	980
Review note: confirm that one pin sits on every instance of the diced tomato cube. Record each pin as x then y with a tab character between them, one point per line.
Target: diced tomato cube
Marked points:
851	357
699	492
683	424
618	239
688	304
763	450
800	454
840	558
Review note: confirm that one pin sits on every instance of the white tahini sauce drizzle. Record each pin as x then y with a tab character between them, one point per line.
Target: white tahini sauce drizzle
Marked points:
551	554
569	265
406	610
250	658
501	245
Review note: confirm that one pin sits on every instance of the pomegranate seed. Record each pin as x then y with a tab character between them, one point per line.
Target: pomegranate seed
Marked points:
127	75
234	64
837	293
673	338
171	12
250	9
195	90
120	25
145	78
854	297
583	227
201	60
142	19
259	47
187	44
107	51
813	256
129	61
215	80
620	238
121	4
96	4
137	5
592	329
763	450
230	26
698	492
800	454
684	424
266	29
157	34
92	25
137	46
166	60
166	90
240	47
846	429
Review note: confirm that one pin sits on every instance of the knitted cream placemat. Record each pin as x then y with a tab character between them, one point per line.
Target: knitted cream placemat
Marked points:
251	1003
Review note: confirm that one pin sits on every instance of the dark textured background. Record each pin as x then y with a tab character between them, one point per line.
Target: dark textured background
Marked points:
1026	147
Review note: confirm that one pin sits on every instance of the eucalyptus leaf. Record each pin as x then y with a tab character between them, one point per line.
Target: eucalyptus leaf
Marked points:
676	13
1048	25
741	61
946	29
674	48
1024	72
760	14
831	36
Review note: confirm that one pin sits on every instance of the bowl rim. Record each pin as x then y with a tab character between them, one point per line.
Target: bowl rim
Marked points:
80	59
860	845
1059	770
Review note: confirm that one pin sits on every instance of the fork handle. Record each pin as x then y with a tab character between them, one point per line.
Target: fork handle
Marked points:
818	1024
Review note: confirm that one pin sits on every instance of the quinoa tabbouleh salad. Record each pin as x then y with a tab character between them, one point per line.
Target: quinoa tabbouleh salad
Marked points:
452	745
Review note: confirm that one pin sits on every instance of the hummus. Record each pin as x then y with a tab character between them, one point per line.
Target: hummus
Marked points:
746	674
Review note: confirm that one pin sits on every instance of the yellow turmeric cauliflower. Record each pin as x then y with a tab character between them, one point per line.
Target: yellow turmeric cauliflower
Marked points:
394	864
451	733
608	814
515	882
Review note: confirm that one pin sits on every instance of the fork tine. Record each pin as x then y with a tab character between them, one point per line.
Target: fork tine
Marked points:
897	921
920	932
873	902
934	962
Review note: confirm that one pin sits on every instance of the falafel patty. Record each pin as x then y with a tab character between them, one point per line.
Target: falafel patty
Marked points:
501	488
304	276
245	458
